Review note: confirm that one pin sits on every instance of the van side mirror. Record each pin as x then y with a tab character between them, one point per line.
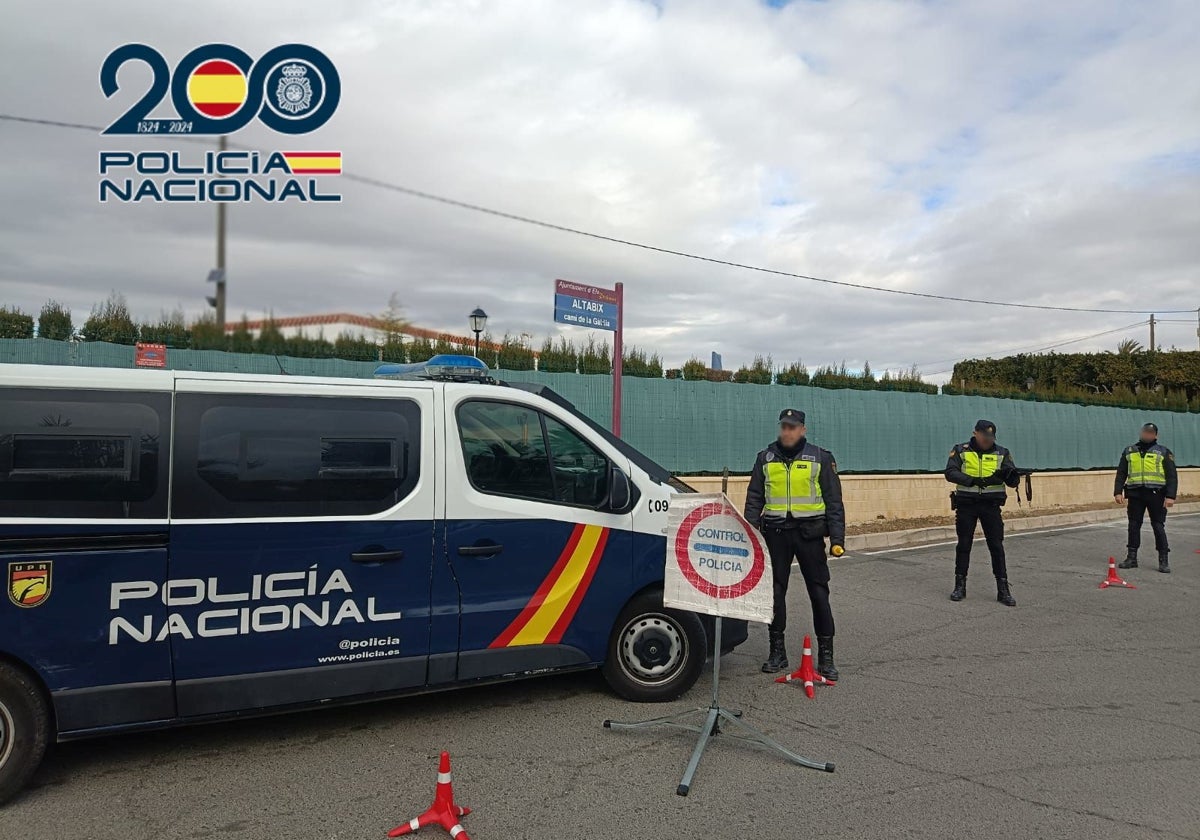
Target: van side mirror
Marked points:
619	489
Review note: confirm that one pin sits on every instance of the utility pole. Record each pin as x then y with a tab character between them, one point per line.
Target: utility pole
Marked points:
222	145
1198	325
1151	333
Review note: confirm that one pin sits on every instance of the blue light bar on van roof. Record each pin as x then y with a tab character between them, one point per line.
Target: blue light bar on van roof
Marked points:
444	367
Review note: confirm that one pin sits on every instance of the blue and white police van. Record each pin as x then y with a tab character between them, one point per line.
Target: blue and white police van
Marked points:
182	547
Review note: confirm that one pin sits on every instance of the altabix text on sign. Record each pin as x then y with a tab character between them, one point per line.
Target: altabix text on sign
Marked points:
586	306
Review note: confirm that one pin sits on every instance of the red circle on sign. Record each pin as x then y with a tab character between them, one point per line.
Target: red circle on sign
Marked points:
706	587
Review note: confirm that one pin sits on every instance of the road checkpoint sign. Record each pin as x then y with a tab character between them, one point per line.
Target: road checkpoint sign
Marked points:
716	561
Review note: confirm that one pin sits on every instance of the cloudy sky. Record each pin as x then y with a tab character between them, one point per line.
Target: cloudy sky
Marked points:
1025	151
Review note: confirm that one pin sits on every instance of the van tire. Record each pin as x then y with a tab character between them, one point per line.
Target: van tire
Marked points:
24	729
655	654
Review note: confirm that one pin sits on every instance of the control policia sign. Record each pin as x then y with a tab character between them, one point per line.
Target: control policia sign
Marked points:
716	561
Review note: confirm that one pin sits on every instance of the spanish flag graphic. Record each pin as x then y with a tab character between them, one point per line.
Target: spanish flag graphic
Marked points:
217	88
548	614
314	163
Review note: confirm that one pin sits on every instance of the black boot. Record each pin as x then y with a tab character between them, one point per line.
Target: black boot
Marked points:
960	588
825	666
777	659
1130	561
1003	595
1163	566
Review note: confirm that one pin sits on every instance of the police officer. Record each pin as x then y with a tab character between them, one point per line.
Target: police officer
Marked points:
1147	480
981	469
795	499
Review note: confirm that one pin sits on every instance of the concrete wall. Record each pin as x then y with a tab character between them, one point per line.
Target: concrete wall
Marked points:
870	497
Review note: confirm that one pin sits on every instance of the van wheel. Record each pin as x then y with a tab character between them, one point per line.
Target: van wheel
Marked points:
655	654
24	729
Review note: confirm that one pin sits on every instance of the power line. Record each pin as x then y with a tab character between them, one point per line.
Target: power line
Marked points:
1040	349
478	208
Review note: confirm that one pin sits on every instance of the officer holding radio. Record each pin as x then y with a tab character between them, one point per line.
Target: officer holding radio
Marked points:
981	469
795	499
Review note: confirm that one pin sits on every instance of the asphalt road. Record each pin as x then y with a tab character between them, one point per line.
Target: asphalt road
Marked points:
1075	715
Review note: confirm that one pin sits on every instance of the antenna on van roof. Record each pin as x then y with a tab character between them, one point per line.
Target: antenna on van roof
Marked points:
281	368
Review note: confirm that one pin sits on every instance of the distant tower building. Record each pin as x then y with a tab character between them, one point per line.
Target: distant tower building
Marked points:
716	361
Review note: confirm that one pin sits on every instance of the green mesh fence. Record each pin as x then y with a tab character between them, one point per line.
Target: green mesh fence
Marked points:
692	427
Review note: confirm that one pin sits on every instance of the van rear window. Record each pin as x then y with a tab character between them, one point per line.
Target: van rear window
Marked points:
83	454
266	456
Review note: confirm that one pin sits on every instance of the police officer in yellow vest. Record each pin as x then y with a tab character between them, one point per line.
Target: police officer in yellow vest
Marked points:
795	499
1147	481
980	468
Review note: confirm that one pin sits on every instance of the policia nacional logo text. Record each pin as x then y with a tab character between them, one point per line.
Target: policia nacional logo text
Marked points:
233	176
216	90
260	604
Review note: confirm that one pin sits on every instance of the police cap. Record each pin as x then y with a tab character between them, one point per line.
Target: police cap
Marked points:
986	426
791	417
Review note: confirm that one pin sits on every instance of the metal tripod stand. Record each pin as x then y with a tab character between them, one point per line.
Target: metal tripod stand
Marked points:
713	715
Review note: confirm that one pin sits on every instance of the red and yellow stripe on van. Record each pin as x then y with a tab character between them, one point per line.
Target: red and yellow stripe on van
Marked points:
548	614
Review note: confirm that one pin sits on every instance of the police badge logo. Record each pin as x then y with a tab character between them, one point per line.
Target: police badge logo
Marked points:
29	583
294	92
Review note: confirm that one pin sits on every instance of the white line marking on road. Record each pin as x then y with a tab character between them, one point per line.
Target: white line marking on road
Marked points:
1116	524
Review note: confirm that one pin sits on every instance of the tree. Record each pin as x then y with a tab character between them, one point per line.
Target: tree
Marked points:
54	322
206	335
1128	347
392	325
358	348
758	373
558	357
637	362
794	374
270	339
595	358
515	354
110	321
170	329
420	350
15	324
241	340
695	370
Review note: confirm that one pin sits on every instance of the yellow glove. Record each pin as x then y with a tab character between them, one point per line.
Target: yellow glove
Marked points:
837	551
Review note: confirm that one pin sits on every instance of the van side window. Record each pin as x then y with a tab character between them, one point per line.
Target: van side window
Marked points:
259	456
580	472
83	454
515	450
505	449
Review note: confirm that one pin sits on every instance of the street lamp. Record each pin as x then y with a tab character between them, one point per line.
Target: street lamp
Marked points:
478	320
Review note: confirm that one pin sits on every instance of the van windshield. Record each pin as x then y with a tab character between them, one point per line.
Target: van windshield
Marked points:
658	473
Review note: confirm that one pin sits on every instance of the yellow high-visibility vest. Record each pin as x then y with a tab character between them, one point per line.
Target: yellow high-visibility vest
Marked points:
793	487
982	465
1148	470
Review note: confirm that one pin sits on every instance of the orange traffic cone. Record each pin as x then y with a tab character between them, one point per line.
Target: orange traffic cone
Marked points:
1113	579
443	811
806	673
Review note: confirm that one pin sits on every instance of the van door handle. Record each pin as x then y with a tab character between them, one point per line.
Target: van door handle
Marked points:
487	550
372	556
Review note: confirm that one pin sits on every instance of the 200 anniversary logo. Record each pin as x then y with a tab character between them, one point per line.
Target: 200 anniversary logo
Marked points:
217	89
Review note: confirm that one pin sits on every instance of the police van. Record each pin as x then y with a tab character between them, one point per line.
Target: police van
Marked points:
182	547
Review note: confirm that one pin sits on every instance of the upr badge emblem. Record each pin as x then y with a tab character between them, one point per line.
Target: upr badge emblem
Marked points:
29	583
